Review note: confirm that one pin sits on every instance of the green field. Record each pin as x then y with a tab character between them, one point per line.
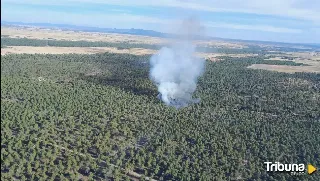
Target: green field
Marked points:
71	117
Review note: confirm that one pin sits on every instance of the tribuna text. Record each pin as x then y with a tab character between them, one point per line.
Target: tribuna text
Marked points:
280	167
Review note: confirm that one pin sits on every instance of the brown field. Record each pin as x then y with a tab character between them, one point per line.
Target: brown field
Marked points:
312	59
55	34
46	34
37	33
78	50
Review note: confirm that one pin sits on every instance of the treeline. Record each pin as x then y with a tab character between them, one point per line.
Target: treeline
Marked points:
249	50
64	43
262	60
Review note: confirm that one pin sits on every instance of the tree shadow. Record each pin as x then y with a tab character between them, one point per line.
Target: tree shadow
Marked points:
127	72
129	83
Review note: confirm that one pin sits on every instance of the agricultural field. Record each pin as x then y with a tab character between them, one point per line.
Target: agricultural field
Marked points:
308	58
56	34
71	114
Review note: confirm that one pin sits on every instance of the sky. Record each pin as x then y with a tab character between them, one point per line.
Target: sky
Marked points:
295	21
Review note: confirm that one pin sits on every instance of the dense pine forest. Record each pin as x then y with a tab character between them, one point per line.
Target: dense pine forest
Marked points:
97	117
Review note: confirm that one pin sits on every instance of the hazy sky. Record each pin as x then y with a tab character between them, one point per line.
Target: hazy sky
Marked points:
272	20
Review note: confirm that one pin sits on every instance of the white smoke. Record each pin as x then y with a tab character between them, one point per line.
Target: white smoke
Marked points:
175	70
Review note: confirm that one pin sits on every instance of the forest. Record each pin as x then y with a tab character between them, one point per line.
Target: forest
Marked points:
97	117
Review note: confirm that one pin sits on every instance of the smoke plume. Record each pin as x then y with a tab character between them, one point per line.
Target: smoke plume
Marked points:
175	69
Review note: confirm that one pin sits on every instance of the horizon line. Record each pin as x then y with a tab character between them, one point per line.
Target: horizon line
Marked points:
38	24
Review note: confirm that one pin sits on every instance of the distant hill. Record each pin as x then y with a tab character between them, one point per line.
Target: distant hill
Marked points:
153	33
91	29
